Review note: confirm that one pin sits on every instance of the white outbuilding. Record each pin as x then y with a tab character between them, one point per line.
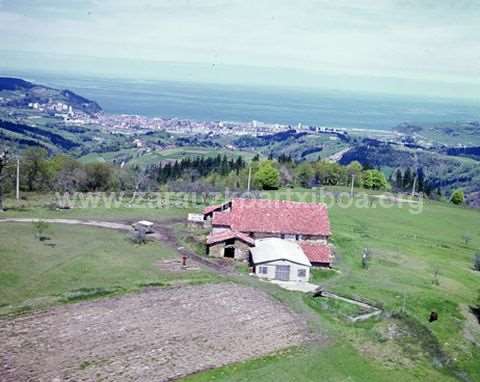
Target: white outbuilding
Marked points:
277	259
144	225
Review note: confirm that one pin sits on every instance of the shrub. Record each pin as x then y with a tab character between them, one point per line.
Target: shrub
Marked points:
458	197
267	176
139	236
88	293
374	180
40	228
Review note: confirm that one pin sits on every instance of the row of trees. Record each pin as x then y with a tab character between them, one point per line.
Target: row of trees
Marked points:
411	180
39	172
324	173
407	179
195	168
270	175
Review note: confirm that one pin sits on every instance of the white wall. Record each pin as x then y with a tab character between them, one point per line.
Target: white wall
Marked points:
219	229
293	270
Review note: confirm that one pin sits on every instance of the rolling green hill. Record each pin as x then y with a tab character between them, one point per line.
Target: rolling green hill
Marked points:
419	262
443	171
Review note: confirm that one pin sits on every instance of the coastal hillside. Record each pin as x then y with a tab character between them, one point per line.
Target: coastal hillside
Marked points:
16	92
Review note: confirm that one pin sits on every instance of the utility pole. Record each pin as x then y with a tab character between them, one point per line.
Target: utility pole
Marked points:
18	180
414	185
249	178
353	182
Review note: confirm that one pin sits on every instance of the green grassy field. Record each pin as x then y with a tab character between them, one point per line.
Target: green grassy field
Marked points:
138	157
419	262
127	209
78	262
338	362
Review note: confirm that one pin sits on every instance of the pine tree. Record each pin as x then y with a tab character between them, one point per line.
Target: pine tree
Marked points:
407	179
420	180
399	179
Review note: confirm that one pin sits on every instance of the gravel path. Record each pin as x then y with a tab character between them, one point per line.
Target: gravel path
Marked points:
95	223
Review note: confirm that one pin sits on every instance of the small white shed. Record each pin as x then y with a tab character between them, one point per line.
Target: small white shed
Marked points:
144	225
277	259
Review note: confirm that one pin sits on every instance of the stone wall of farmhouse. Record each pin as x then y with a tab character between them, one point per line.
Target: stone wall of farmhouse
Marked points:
216	250
241	250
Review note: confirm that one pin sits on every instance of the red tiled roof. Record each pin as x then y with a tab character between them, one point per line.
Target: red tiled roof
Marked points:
210	209
274	216
221	218
226	235
317	253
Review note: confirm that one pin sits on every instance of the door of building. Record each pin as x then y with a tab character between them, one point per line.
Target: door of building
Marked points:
229	252
282	272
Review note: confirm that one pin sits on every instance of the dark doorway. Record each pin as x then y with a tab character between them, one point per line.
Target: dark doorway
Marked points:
229	252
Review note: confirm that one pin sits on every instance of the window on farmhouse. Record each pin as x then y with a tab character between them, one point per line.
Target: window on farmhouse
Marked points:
302	273
263	270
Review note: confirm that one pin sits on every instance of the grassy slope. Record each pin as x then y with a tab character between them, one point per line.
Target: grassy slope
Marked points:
34	273
406	249
339	362
452	134
37	206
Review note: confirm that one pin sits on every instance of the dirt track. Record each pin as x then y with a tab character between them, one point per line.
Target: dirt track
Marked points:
94	223
157	335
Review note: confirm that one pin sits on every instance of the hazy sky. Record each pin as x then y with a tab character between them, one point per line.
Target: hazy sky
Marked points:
429	47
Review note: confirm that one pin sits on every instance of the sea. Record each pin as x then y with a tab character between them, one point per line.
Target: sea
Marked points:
213	102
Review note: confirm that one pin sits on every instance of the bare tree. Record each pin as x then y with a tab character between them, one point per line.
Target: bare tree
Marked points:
4	160
40	227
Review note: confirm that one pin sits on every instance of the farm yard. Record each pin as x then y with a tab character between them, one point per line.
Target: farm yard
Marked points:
159	334
419	263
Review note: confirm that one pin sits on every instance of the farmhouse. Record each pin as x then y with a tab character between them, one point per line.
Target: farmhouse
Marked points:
240	225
